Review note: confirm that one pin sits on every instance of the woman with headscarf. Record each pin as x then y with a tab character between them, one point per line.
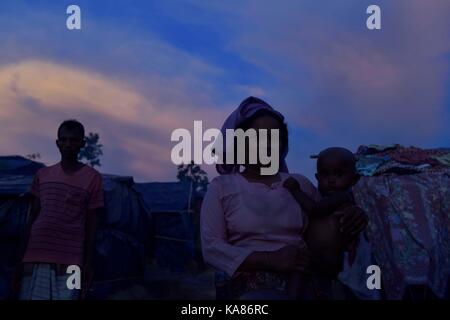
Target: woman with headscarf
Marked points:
251	226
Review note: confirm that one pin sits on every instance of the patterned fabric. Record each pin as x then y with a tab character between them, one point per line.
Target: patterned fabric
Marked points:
268	285
409	228
353	274
256	281
368	165
375	160
401	168
45	284
234	288
443	159
417	156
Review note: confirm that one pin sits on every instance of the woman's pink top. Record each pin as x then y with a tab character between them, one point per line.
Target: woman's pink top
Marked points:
239	217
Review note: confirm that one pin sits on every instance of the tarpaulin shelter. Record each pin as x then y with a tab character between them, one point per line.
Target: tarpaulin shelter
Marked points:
140	220
173	219
122	234
16	174
123	231
406	193
17	165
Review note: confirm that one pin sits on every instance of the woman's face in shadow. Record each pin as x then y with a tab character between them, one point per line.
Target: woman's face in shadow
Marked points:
268	123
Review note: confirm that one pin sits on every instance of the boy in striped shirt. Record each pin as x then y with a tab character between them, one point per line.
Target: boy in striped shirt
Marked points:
66	199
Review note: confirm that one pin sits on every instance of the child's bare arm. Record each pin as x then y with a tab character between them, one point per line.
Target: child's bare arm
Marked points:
322	207
302	198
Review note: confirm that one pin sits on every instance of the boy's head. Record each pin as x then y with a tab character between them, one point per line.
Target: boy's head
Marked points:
70	139
336	170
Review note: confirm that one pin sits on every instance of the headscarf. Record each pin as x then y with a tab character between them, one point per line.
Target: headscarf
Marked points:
247	109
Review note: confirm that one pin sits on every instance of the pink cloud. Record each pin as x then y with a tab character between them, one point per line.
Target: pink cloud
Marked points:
35	96
348	83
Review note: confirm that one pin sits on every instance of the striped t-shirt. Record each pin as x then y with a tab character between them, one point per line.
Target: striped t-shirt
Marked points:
57	235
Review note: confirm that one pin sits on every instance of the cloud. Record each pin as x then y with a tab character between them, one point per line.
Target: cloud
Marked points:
342	81
35	96
337	82
121	80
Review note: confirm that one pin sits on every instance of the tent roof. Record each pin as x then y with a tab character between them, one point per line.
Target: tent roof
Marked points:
14	184
164	196
18	165
19	184
16	175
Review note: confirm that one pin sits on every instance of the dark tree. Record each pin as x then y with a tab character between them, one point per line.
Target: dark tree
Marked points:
92	151
34	156
193	173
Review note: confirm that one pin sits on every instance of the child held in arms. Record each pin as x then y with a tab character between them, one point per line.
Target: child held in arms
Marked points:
327	237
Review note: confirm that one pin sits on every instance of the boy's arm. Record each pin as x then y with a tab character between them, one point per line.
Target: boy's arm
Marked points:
35	208
95	207
91	227
321	207
89	248
307	204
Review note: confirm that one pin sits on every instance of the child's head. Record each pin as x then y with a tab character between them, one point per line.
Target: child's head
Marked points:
336	170
70	139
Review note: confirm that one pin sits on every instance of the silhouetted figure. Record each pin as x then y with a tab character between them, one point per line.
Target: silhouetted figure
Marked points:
61	227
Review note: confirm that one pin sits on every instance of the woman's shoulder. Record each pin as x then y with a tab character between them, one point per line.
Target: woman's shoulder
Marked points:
226	179
226	183
299	177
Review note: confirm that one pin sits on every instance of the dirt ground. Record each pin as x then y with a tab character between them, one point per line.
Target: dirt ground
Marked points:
159	284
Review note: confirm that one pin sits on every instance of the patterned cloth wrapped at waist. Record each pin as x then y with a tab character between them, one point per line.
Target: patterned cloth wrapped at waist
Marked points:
233	288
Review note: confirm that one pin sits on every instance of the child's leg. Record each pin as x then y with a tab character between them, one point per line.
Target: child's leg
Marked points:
326	244
296	285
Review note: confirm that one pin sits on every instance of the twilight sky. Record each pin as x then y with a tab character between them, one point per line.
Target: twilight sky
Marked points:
140	69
